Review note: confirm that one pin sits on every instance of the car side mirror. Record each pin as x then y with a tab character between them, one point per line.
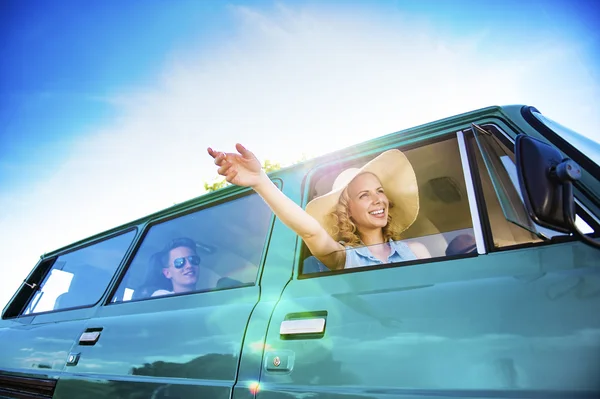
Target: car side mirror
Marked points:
546	181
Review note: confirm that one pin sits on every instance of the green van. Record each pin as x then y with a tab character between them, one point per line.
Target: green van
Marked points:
507	306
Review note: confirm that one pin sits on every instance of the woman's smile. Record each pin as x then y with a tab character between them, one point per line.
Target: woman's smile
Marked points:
379	213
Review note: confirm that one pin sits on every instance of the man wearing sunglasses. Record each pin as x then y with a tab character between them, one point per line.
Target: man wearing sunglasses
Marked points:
180	264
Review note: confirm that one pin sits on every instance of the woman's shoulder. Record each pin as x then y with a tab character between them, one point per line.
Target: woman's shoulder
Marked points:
349	248
417	248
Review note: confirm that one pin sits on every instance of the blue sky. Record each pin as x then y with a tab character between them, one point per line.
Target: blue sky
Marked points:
67	59
103	102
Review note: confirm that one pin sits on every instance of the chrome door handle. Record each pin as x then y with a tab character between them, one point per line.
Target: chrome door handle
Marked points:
296	327
90	336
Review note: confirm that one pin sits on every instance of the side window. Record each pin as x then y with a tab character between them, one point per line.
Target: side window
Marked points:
509	221
79	278
214	248
434	215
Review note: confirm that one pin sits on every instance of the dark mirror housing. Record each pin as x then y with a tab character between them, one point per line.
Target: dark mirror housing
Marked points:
543	195
546	181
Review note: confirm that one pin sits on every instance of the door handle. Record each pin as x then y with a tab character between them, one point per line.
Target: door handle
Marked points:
90	336
303	325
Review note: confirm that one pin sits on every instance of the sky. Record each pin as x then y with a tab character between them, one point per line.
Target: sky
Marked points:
107	107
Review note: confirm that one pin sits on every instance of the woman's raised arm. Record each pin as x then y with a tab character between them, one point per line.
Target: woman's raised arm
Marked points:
244	169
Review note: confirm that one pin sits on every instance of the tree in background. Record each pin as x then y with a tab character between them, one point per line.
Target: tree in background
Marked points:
214	186
268	166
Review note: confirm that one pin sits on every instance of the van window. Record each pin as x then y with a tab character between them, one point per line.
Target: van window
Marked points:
509	221
79	278
443	225
214	248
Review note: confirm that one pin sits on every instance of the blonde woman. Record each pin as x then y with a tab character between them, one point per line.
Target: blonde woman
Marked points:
357	223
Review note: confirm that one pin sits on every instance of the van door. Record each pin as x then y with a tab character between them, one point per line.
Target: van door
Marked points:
34	351
44	325
518	319
151	341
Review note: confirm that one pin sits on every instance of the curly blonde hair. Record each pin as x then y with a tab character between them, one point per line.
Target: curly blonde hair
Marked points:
343	227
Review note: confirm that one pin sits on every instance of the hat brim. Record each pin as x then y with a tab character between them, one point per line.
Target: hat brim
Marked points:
399	182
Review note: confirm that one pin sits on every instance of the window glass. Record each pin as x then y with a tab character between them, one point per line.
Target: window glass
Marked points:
214	248
499	163
509	220
504	232
443	224
79	278
588	147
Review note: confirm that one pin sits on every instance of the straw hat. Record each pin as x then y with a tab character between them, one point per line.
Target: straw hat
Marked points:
397	178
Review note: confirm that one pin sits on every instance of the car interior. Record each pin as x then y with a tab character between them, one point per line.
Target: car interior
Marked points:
229	241
444	212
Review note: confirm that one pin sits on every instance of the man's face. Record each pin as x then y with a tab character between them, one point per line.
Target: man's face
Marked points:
184	277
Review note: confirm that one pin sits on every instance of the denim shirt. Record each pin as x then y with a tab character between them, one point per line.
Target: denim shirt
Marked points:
362	256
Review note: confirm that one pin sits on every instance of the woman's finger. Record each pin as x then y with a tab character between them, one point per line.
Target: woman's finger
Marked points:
244	151
214	153
224	168
219	158
231	175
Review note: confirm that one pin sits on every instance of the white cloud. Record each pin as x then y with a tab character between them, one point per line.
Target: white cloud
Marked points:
290	81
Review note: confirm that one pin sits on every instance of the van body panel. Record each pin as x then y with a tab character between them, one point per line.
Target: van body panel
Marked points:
524	321
276	273
32	357
253	350
190	343
38	346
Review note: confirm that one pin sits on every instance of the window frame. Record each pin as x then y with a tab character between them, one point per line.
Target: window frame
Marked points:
18	303
404	144
164	218
509	141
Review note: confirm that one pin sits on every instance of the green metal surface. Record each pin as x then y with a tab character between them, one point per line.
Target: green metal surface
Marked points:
38	346
523	320
190	343
520	322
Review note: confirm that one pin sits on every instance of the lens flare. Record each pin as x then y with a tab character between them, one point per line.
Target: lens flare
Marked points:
254	387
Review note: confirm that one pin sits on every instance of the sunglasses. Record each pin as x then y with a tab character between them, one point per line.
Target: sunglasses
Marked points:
194	260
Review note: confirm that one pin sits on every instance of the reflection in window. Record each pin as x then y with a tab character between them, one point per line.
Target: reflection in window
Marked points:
57	284
79	278
444	216
214	248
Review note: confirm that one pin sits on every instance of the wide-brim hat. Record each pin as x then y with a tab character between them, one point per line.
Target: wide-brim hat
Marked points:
398	180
